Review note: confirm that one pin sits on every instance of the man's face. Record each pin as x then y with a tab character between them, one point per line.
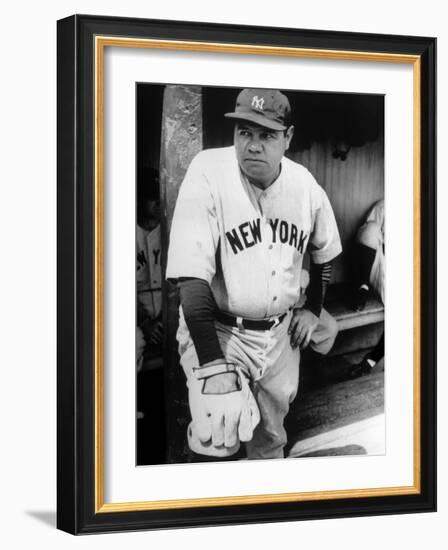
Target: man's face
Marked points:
148	215
260	150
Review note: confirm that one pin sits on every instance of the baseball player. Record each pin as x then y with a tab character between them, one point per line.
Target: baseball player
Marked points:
148	266
369	254
149	333
244	218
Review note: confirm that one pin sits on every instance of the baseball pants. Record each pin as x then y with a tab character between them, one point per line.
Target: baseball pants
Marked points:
271	365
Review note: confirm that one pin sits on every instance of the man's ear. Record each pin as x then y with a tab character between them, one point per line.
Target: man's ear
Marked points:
289	133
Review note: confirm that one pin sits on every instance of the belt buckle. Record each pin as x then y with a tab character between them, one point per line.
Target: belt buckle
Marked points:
276	322
239	324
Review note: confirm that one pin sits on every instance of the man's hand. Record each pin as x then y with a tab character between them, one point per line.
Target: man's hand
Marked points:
156	334
152	331
301	327
140	345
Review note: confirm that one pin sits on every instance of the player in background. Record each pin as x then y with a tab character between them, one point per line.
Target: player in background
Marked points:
369	275
148	266
150	377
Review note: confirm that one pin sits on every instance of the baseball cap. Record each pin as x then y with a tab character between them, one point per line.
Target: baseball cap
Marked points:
268	108
147	184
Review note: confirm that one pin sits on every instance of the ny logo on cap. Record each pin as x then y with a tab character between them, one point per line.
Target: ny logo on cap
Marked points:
258	102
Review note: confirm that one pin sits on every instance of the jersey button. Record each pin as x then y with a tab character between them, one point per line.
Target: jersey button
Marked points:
273	273
271	247
274	298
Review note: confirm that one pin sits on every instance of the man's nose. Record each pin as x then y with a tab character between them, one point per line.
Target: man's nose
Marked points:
255	146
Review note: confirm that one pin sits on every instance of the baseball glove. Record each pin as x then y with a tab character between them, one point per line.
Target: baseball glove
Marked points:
220	421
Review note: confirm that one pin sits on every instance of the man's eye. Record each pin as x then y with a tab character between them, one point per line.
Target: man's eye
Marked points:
244	133
268	136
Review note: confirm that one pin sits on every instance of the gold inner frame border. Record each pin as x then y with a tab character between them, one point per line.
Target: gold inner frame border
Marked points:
101	42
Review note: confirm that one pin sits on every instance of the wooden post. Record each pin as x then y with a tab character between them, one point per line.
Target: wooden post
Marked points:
181	141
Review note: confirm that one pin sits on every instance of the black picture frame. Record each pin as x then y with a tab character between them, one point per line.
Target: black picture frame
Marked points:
79	507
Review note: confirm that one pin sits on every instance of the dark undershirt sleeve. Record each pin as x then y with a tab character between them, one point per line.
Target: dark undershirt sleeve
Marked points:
320	275
198	306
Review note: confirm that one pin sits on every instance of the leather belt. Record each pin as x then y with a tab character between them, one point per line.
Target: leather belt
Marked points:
250	324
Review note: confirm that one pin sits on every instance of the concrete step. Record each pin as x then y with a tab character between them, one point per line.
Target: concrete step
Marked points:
358	330
359	338
339	304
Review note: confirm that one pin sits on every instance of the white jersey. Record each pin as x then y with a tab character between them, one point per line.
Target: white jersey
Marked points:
376	214
149	273
248	243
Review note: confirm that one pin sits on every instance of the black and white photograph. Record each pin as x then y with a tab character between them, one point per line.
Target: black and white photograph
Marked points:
246	274
260	274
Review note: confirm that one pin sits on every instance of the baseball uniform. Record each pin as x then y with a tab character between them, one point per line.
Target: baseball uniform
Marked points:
149	274
371	234
248	244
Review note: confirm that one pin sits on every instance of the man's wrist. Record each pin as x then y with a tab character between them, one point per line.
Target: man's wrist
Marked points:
315	309
217	361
